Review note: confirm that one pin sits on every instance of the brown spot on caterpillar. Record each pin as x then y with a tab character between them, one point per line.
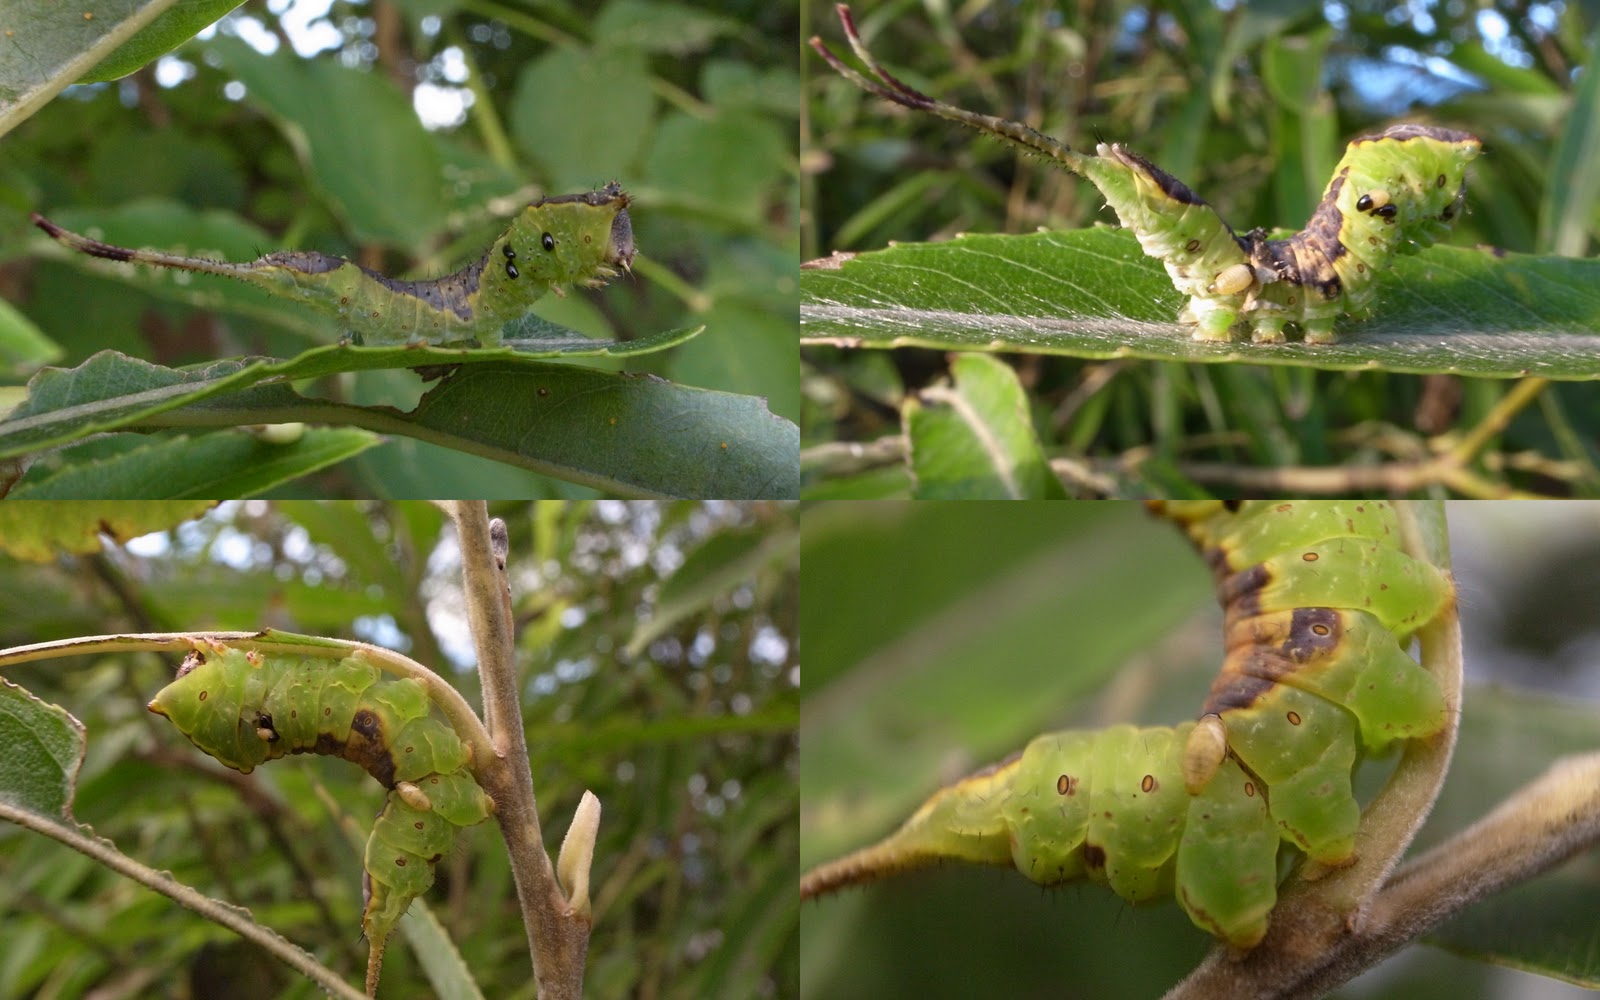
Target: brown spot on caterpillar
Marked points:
1311	631
1250	789
1094	856
1193	246
1149	784
1294	718
1309	557
1265	649
399	862
1066	784
1240	592
1439	182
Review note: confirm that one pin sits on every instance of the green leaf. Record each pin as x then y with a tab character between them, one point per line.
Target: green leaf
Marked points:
438	955
577	149
221	464
734	85
39	533
1566	215
358	137
174	27
45	45
637	434
22	345
656	26
709	572
1092	293
44	748
713	160
974	440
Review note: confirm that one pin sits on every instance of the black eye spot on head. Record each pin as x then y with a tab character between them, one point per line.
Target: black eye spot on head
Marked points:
1387	212
1373	201
511	270
510	253
548	242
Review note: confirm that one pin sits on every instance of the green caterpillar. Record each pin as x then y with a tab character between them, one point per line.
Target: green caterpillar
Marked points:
1395	191
569	239
244	709
1319	600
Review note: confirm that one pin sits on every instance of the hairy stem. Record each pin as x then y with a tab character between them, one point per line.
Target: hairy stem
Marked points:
558	937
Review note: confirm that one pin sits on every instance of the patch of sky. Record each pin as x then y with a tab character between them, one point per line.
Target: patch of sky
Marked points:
380	630
769	647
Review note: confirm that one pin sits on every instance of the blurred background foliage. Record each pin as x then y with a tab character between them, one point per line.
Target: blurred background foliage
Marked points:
404	135
658	650
1251	104
944	637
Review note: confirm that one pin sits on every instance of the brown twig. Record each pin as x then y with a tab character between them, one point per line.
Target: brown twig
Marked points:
558	933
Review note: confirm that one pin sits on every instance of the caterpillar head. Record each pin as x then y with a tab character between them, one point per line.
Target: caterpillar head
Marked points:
575	238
